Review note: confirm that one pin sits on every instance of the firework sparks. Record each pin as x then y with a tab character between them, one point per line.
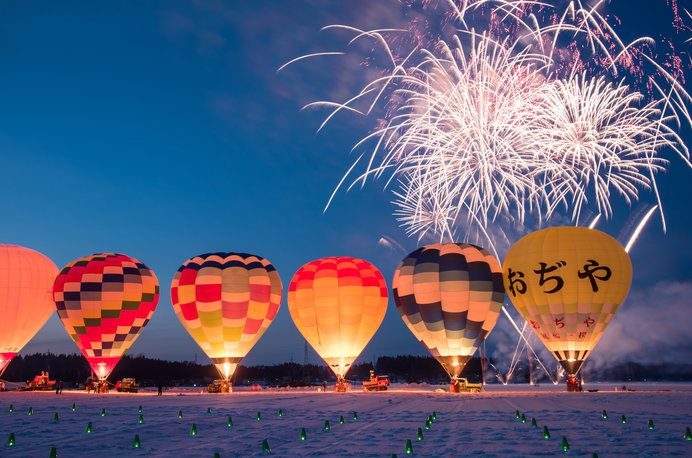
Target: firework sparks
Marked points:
457	138
598	139
516	115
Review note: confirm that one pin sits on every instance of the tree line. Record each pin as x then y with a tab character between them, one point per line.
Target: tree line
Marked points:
74	369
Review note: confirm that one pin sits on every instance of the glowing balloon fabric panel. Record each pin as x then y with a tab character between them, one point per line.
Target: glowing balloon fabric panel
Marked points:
104	301
567	283
26	300
450	296
338	304
226	301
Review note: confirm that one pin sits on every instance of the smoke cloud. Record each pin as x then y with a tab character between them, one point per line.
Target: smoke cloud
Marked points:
653	325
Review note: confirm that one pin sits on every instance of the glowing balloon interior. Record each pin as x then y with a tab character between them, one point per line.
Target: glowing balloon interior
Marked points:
226	301
26	301
337	304
450	296
104	301
567	283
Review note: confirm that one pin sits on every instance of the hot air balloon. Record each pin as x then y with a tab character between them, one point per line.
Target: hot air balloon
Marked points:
104	301
567	283
226	301
26	302
337	304
450	296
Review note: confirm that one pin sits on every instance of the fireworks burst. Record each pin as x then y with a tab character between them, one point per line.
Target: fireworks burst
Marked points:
598	138
529	109
457	141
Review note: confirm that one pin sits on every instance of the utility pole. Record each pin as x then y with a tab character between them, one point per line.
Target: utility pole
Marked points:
305	360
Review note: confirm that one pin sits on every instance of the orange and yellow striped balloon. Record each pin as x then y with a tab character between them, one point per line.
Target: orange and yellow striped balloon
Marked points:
26	297
337	304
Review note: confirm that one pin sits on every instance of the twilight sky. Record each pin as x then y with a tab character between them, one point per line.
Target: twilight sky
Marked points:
161	130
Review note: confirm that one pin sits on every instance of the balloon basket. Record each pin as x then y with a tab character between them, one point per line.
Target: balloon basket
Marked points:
342	386
462	385
101	386
573	384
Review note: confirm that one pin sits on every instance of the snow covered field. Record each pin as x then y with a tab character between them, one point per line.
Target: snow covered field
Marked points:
466	424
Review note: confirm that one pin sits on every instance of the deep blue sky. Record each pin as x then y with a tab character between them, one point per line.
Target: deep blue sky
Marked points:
161	130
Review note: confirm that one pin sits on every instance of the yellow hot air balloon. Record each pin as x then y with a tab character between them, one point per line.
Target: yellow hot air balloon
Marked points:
567	283
337	304
26	297
226	301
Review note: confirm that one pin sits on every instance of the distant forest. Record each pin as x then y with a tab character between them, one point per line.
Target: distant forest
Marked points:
73	369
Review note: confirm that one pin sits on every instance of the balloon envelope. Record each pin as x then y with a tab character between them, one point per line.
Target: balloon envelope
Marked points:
226	301
26	301
567	283
450	296
337	304
104	301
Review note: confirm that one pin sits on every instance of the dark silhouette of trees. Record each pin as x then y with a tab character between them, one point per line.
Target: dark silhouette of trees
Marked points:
73	369
67	368
417	369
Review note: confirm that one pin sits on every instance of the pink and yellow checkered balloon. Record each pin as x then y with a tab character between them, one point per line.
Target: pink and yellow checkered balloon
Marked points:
226	301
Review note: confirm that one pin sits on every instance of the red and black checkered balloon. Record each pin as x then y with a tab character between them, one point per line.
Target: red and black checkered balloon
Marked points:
104	301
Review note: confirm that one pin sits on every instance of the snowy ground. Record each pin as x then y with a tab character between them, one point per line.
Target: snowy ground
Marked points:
466	424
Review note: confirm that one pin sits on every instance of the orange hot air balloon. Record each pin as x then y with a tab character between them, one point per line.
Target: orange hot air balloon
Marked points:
104	301
337	304
567	283
26	301
226	301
